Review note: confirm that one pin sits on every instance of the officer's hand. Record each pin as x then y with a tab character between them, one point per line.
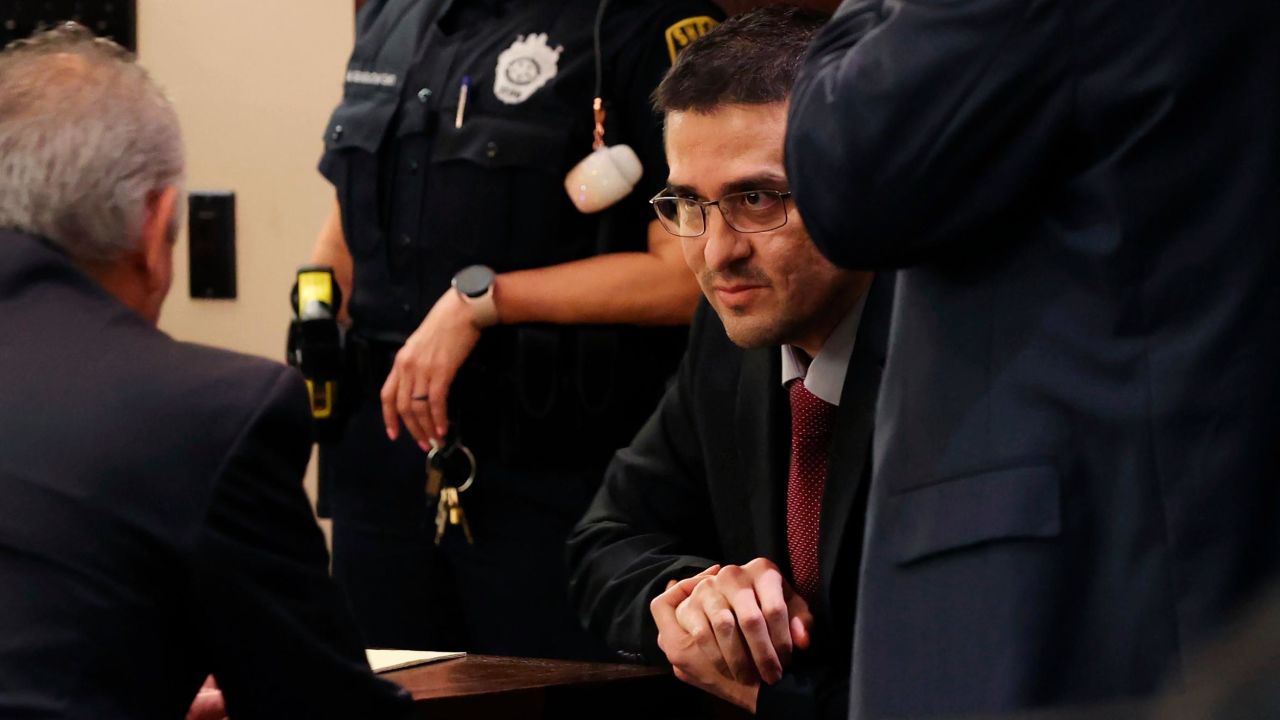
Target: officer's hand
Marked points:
417	390
747	620
687	660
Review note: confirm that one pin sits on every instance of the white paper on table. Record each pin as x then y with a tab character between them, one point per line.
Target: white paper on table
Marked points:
387	660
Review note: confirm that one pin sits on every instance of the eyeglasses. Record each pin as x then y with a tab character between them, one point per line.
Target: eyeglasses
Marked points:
752	211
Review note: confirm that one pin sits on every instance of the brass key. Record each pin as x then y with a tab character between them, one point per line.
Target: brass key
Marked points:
442	515
448	506
435	476
458	516
435	479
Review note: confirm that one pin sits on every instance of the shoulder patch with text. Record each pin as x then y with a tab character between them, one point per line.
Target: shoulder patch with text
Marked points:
686	31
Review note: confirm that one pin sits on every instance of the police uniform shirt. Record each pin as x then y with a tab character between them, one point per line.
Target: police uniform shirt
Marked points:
422	197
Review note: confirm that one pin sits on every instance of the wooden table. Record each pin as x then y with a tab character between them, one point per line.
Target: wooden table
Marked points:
486	686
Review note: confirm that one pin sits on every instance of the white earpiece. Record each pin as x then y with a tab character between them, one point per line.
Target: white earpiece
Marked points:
609	173
603	178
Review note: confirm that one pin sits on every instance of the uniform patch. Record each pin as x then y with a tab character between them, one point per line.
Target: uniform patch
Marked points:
366	77
686	31
525	67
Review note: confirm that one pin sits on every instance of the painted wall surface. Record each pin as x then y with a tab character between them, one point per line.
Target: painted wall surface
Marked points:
254	83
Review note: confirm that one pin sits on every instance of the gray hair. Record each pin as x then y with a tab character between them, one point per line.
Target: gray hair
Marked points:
86	136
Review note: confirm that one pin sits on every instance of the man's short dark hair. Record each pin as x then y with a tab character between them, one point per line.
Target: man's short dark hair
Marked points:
749	59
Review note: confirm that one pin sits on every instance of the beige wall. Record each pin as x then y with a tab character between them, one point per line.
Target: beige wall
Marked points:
254	83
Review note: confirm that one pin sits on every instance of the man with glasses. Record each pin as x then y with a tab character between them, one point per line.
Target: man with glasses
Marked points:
725	539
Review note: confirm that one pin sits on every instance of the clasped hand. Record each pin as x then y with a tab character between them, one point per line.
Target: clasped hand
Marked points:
729	628
417	389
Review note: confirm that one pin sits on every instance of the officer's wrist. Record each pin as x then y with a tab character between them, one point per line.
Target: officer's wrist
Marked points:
497	302
486	312
476	287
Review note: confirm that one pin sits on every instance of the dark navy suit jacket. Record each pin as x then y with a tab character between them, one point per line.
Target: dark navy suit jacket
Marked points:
1076	458
153	525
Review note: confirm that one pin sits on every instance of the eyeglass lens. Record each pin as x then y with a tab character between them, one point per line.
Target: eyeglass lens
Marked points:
752	211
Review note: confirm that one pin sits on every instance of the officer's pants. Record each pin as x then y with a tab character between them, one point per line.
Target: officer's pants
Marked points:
505	595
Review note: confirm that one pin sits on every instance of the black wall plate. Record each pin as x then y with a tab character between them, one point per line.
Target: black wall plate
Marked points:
211	225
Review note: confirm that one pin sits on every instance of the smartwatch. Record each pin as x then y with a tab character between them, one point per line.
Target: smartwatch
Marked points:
474	285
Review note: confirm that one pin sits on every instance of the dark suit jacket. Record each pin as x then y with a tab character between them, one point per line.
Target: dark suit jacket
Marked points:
1076	441
153	525
704	482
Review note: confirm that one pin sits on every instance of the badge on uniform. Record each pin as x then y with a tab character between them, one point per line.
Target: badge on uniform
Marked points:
525	67
686	31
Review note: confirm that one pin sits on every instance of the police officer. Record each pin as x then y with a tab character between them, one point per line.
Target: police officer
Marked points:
486	308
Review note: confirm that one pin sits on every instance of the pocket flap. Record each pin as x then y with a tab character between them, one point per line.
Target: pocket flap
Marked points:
361	120
495	142
1021	502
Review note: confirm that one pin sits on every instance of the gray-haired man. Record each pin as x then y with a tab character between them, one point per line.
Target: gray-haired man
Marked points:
154	529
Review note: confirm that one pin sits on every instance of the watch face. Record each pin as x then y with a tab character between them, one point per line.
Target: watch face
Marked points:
473	281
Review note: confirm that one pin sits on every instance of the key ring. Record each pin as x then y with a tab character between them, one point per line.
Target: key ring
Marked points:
471	458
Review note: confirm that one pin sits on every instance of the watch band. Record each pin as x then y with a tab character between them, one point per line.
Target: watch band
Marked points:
474	284
484	307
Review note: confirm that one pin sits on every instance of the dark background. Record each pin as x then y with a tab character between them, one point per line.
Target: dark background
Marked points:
116	19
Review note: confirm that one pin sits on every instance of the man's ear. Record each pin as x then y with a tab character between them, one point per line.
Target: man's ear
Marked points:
158	227
156	258
158	235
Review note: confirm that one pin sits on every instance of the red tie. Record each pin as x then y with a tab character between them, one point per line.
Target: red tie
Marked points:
811	418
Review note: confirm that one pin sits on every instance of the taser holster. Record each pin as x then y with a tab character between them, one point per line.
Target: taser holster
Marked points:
315	345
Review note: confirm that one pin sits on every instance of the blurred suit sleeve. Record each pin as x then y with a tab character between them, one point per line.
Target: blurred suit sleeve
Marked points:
650	522
916	125
654	519
260	582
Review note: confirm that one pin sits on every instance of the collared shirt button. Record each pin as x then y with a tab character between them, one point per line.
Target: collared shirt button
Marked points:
413	166
491	149
405	240
338	131
406	307
424	95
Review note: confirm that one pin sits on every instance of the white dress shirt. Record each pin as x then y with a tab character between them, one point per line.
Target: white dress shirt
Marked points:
824	375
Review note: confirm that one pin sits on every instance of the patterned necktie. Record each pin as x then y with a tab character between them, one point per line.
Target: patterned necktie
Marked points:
811	419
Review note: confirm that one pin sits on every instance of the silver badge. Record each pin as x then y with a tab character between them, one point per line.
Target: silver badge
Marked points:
525	67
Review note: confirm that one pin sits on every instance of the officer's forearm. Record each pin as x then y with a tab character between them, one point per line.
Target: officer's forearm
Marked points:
331	249
653	288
